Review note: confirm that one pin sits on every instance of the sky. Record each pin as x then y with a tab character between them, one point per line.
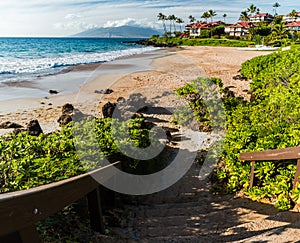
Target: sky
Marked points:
56	18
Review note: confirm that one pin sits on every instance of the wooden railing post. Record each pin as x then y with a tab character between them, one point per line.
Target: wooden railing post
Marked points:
21	210
95	211
273	155
297	174
252	174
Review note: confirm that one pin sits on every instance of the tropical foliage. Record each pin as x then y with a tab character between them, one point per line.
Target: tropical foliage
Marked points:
177	41
270	121
274	33
29	161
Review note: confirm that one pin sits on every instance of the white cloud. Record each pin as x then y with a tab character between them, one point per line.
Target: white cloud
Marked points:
73	16
74	25
67	17
132	22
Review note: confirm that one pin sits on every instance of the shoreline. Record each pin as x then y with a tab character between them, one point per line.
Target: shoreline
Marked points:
152	74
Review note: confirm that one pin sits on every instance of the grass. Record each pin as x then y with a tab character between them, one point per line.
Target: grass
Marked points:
201	42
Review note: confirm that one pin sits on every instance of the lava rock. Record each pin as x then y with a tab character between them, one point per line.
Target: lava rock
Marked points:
8	125
64	120
108	109
34	128
67	109
105	91
52	91
69	113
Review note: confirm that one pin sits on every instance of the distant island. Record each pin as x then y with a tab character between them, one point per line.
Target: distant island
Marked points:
120	32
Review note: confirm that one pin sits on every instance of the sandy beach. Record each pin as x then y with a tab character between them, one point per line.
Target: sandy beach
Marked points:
155	75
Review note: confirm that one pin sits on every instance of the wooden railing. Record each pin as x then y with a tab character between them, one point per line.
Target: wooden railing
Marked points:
21	210
271	155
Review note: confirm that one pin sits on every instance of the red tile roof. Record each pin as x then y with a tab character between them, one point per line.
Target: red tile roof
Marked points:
293	24
204	25
246	25
201	26
262	15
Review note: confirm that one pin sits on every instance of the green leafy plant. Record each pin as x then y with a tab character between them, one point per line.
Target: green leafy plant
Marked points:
270	121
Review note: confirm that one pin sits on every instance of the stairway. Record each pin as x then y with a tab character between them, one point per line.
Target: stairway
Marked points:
189	212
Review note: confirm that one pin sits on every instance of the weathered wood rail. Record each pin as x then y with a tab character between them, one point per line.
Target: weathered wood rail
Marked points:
273	155
21	210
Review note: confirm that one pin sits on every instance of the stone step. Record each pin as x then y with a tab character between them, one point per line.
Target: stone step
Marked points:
166	231
224	218
285	225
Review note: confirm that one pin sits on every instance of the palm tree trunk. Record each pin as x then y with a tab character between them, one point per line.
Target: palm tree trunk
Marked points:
164	25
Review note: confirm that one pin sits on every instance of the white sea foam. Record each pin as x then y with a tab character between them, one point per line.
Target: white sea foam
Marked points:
11	66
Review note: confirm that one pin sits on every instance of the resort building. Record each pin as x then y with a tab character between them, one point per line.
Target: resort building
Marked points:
239	29
195	30
288	18
294	26
188	27
261	17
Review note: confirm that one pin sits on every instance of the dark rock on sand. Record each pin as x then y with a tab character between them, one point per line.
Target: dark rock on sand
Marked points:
64	119
105	91
69	113
67	109
8	125
52	91
34	128
121	99
239	77
108	109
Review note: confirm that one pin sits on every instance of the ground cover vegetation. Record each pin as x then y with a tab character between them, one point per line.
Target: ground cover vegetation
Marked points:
271	120
30	161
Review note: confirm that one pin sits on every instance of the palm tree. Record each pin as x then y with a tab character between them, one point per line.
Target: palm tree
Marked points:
275	6
192	19
293	14
212	14
279	31
169	18
205	16
179	21
172	19
162	17
244	16
224	16
252	9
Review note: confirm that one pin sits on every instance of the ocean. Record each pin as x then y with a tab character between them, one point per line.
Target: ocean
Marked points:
23	59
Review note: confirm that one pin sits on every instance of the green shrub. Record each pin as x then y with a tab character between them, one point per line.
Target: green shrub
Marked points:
29	161
272	121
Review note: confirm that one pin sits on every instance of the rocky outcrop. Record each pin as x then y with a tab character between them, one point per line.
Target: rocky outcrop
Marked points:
69	113
34	128
52	91
64	119
9	125
108	109
154	43
104	91
239	77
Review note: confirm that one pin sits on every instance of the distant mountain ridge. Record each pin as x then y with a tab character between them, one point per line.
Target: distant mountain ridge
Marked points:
121	31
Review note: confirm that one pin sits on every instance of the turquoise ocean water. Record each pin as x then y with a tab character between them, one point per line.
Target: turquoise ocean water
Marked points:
24	59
